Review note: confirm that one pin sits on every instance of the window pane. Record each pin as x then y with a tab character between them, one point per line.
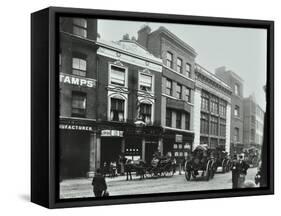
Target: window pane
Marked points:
117	75
80	22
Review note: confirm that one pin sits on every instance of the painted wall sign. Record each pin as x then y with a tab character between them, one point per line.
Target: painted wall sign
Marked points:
75	127
112	133
78	81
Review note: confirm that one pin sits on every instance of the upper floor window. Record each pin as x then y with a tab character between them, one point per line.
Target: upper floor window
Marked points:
178	119
60	63
222	108
117	109
169	60
188	94
179	65
214	125
187	121
222	127
214	106
237	111
237	89
79	65
145	82
145	112
169	87
78	104
204	101
204	123
188	70
168	118
236	134
117	75
80	27
179	91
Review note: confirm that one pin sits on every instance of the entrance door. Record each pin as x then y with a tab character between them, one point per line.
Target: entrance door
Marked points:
150	148
110	150
74	154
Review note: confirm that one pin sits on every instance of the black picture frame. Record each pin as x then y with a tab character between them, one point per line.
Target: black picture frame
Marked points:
45	101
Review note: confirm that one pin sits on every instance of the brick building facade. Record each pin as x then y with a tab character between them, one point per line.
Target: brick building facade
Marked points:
236	84
177	88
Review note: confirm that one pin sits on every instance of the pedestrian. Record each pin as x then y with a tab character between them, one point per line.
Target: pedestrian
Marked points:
235	174
242	170
99	184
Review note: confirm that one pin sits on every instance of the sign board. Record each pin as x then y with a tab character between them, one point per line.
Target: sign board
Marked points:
112	133
76	80
75	127
178	138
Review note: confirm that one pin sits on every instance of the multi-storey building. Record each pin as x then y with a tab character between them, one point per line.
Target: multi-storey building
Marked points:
78	88
236	84
212	110
253	123
129	101
177	88
110	99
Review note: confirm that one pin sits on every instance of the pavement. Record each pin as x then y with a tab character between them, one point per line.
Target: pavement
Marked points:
82	188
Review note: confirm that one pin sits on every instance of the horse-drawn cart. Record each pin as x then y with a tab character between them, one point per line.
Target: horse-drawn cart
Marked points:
200	164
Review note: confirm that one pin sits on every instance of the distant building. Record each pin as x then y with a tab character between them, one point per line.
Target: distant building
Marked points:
177	88
253	123
236	84
212	110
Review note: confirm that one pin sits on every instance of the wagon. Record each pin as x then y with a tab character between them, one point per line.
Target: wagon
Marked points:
161	166
201	161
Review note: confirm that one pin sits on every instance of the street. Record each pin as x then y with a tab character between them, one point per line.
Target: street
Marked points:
81	188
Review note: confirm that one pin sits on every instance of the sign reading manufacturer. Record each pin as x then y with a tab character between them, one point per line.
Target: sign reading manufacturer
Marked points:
112	133
78	81
75	127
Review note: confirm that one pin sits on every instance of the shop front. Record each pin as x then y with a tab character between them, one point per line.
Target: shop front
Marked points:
177	144
76	144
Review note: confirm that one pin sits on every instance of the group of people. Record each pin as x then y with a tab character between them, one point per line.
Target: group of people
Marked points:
239	172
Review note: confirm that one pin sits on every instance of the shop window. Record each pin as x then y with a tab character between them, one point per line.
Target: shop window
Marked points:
117	75
80	27
79	64
179	91
204	140
169	118
169	60
145	82
145	112
178	119
188	70
169	87
179	65
78	104
117	109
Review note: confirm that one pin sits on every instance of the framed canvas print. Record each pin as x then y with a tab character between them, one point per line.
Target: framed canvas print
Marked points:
138	107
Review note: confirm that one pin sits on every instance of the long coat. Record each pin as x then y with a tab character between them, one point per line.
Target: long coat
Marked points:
99	183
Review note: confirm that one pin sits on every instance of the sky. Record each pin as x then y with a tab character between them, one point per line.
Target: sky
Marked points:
242	50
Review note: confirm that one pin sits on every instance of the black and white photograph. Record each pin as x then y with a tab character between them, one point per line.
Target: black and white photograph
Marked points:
151	108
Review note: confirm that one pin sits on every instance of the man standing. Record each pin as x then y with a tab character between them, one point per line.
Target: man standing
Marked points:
235	174
99	183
